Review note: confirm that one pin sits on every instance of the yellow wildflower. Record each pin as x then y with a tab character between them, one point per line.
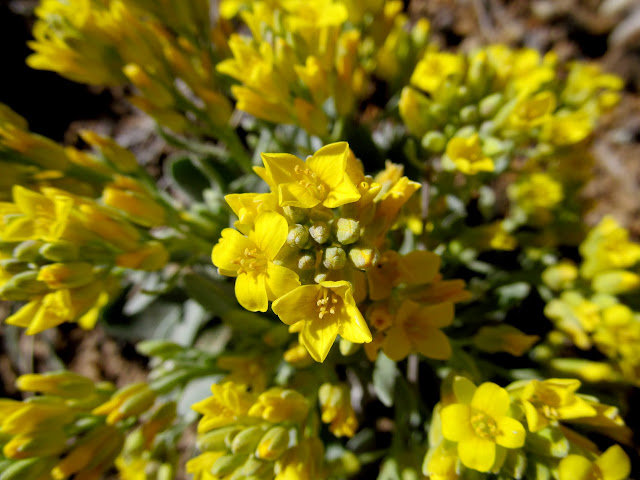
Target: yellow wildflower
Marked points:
319	180
324	312
613	464
467	156
228	404
480	425
416	328
435	69
280	405
250	259
336	407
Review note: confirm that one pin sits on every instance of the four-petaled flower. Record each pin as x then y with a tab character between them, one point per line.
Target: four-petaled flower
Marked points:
251	258
319	180
481	426
324	310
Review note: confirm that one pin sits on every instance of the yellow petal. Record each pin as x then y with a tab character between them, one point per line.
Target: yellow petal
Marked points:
575	467
229	249
477	453
456	420
295	195
270	233
396	344
318	336
280	165
297	305
491	399
344	192
432	343
330	163
251	292
280	281
614	464
510	433
356	329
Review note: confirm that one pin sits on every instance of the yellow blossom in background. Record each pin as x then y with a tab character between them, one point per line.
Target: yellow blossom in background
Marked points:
336	410
467	156
613	464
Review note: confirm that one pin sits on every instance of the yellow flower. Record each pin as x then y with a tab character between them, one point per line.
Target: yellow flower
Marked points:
228	404
504	338
480	425
613	464
201	465
415	268
335	402
319	180
250	259
435	69
536	192
533	111
467	155
551	400
325	310
417	328
280	405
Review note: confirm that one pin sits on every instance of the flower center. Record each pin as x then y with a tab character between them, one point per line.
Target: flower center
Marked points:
308	179
483	425
252	261
327	303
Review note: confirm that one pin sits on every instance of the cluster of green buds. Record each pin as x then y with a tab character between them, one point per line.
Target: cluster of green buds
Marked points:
591	307
522	432
257	436
75	428
316	246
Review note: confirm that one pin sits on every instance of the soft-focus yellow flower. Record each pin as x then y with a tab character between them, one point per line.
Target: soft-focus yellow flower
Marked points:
504	338
250	259
533	111
613	464
324	311
536	193
560	276
467	155
335	403
551	400
415	268
435	69
228	404
321	179
480	424
280	405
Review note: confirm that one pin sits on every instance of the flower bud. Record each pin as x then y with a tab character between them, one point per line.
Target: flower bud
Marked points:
298	236
13	266
347	230
434	141
320	232
306	261
22	286
295	214
66	275
27	251
227	464
348	348
61	384
217	439
273	444
364	257
247	440
59	251
490	104
335	258
615	282
469	114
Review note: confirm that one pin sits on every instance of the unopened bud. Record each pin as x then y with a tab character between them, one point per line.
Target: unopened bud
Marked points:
60	251
247	440
347	230
298	236
13	266
227	464
615	282
334	258
217	439
489	105
469	114
364	257
273	444
434	141
61	384
295	214
27	251
22	286
306	261
320	232
348	348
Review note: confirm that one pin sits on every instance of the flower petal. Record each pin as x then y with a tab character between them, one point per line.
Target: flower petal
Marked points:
297	305
251	292
280	165
456	420
396	344
318	336
432	343
330	163
614	463
229	249
510	433
477	453
575	467
491	399
280	281
270	233
344	192
355	329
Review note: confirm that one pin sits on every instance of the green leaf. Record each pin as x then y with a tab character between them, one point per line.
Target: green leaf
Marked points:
385	373
188	178
215	297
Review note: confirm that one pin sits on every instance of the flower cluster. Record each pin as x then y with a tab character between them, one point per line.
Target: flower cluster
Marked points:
75	429
316	246
521	432
591	310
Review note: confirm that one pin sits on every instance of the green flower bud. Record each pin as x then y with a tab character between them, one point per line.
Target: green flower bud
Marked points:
138	403
247	440
434	141
13	266
364	257
347	230
306	261
490	104
298	236
469	114
295	214
334	258
321	274
226	464
27	251
273	444
320	232
23	286
252	467
217	439
348	348
60	251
